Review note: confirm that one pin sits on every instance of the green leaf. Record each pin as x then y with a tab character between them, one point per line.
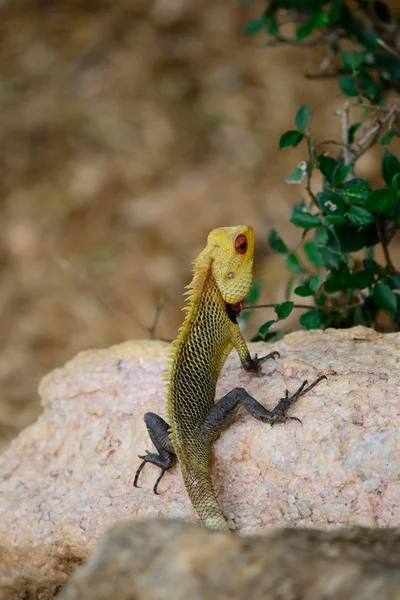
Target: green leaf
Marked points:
396	182
338	279
381	200
358	316
315	282
254	26
330	257
257	338
336	220
254	292
284	309
330	250
320	301
385	297
298	174
331	203
347	85
387	137
390	167
371	266
251	298
311	319
289	286
353	238
333	283
276	242
394	281
312	253
341	174
321	236
290	138
352	131
361	280
352	61
336	10
293	263
321	19
277	335
328	166
305	29
305	219
356	191
272	24
368	86
359	216
302	118
264	328
303	290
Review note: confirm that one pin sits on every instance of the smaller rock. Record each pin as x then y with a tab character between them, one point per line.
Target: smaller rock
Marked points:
170	559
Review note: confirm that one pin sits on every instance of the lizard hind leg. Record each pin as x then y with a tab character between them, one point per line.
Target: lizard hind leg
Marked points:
221	413
166	458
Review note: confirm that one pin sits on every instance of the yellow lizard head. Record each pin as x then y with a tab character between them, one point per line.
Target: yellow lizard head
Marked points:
231	251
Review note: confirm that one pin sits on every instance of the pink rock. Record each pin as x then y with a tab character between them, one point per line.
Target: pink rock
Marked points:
68	476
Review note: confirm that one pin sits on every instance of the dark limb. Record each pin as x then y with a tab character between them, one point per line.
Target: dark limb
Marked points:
221	413
253	364
166	458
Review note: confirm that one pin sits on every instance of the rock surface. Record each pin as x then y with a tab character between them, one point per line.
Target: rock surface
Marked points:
170	559
68	476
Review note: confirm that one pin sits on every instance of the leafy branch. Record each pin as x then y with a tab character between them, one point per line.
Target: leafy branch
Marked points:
344	222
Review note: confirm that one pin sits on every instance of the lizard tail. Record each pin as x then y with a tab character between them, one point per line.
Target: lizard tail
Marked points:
202	495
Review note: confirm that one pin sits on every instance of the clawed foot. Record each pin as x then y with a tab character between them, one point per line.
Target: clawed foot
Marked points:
255	365
287	401
154	459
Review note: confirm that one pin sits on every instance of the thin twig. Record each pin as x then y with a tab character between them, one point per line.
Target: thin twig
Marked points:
251	306
81	275
304	306
389	49
282	39
374	107
152	329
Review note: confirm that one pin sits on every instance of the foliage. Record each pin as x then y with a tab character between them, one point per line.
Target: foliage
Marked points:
334	266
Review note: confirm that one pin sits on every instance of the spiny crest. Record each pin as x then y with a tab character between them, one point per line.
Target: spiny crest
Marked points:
201	267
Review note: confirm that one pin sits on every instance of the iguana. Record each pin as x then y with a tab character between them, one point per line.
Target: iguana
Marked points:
222	276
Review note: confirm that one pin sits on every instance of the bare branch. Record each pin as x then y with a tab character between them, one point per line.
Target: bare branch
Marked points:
333	142
344	114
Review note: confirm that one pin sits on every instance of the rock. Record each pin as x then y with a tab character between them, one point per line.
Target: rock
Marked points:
170	559
68	476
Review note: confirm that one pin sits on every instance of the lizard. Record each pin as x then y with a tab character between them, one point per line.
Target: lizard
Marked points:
222	277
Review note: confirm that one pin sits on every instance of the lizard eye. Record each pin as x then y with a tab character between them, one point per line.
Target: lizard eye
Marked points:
241	244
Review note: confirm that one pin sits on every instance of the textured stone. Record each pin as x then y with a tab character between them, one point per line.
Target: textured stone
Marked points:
166	559
68	476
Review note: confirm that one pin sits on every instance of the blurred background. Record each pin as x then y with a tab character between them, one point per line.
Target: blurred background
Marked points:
128	130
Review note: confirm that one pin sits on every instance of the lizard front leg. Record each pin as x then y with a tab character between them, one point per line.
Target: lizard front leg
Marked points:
165	459
222	411
248	363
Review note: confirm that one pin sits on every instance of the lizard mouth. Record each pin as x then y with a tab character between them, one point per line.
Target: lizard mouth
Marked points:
234	310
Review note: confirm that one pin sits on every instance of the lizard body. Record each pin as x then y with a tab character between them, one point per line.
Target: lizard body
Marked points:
222	278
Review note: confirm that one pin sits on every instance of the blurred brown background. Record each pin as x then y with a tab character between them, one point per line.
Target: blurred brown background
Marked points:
128	130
